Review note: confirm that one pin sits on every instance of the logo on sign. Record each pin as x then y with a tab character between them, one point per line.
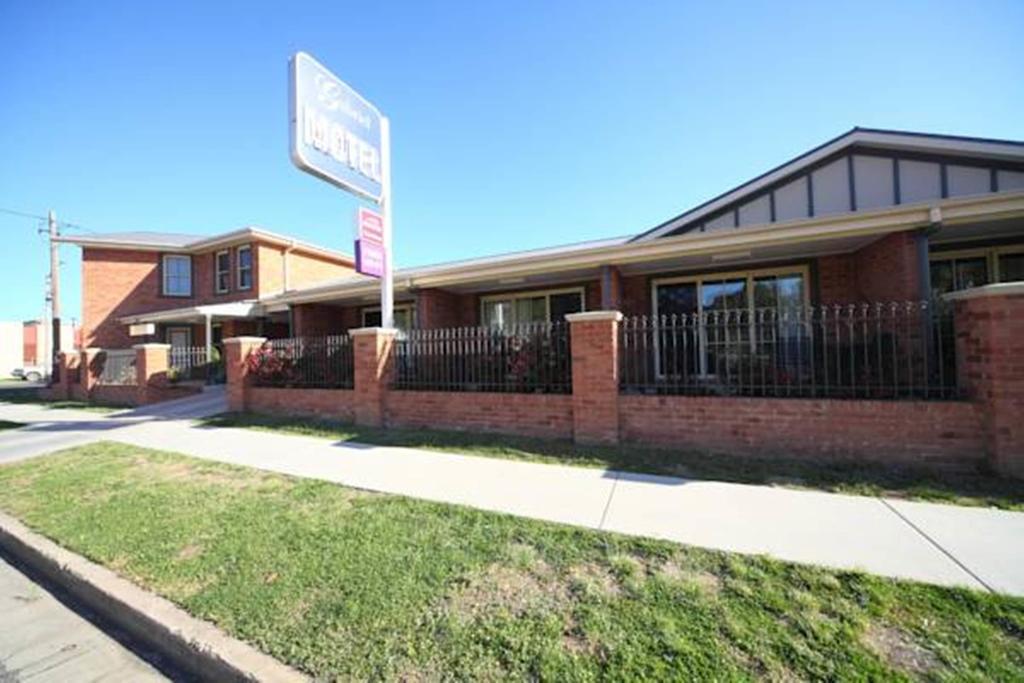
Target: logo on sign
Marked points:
370	254
335	133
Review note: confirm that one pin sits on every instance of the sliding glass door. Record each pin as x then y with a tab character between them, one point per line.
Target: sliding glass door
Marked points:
714	325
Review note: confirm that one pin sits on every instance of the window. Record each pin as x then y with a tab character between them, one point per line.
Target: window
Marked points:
404	318
530	307
177	275
244	267
719	293
222	271
955	270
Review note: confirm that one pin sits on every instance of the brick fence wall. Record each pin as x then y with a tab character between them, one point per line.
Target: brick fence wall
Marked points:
543	415
151	384
940	433
985	429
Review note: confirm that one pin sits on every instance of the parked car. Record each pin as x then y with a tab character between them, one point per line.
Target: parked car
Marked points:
30	373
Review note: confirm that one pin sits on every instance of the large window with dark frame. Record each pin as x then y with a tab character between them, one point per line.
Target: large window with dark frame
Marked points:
505	310
405	318
726	308
965	268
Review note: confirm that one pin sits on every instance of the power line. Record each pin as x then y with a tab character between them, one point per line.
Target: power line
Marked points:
63	224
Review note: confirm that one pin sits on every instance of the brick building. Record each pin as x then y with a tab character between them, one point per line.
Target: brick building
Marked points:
871	216
867	218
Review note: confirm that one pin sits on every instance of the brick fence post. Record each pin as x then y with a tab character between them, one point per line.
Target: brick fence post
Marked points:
990	367
374	360
88	377
236	352
594	338
151	363
61	389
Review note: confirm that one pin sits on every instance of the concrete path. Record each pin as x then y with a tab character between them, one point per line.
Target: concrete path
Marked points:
42	640
941	544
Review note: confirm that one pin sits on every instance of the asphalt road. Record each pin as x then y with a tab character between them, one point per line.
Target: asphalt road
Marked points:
42	640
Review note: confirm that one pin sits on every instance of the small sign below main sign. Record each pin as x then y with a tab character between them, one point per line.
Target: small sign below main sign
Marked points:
335	133
370	252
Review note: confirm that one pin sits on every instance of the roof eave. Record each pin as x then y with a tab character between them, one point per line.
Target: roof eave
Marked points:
879	222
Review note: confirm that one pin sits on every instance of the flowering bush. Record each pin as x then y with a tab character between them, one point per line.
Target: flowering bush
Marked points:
270	365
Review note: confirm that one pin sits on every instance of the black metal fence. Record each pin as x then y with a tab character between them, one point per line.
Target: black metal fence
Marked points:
304	362
114	367
527	358
869	351
190	363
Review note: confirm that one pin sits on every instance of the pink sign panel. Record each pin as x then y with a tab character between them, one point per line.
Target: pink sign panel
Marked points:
370	253
371	226
370	258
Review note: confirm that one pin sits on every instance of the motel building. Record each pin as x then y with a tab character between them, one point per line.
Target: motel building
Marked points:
824	308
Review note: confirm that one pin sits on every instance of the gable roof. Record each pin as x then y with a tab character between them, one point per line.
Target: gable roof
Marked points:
945	145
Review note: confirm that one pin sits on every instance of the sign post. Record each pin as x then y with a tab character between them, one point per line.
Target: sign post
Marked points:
338	136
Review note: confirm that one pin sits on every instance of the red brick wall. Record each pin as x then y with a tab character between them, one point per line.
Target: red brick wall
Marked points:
541	415
437	308
317	320
334	404
887	269
837	280
118	283
636	295
908	432
990	351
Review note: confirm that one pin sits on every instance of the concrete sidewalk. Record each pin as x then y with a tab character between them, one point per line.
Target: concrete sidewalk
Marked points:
941	544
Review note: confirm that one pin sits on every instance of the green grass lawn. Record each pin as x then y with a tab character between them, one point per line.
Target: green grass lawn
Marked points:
32	395
959	488
346	584
7	424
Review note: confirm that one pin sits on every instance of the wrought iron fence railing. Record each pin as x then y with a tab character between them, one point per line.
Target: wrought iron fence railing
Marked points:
526	358
114	367
304	362
869	351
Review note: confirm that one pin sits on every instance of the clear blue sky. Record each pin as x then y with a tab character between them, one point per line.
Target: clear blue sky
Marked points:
514	125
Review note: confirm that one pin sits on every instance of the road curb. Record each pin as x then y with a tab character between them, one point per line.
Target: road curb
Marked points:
198	649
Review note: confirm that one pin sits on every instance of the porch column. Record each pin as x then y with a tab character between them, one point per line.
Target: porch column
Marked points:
594	338
374	361
236	353
989	348
611	288
209	337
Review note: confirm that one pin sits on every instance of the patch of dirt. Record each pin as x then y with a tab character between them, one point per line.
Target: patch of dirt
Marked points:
188	552
705	581
515	590
899	650
198	473
594	579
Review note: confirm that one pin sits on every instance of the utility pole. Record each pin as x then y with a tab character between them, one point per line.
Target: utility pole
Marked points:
54	294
